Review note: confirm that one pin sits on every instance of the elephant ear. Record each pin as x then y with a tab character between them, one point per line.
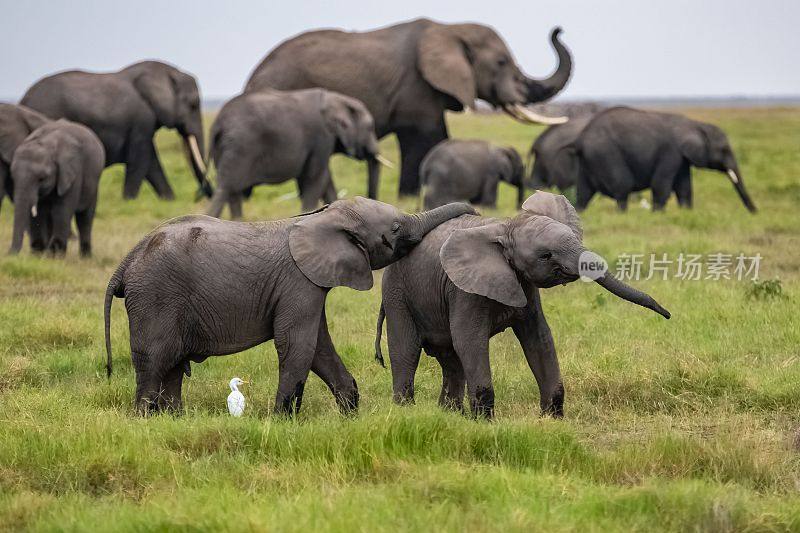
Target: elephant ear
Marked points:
557	207
68	161
328	253
341	120
694	146
473	259
157	87
443	62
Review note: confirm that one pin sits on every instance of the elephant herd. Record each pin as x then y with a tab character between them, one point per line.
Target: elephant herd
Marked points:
198	286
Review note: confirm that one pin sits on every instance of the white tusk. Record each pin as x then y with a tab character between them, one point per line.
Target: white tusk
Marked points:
34	211
198	159
383	161
342	193
537	118
732	175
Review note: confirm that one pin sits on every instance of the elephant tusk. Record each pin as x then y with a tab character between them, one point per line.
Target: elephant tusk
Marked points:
536	118
383	161
198	158
732	175
34	211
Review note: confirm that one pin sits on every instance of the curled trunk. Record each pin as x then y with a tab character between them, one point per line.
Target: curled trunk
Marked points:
541	90
418	225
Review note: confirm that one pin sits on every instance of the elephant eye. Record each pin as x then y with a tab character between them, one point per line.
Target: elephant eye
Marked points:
545	256
502	62
395	227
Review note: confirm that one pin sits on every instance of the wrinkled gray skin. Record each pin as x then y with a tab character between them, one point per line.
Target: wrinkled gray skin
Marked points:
473	277
198	286
125	109
554	160
55	172
16	123
274	136
624	150
470	171
407	75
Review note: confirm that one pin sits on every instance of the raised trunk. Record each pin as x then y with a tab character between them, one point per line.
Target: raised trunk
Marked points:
541	90
736	179
418	225
618	288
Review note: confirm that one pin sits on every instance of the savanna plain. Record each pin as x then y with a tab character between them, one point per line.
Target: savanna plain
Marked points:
681	425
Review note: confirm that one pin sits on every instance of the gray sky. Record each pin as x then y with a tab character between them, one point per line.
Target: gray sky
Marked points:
621	48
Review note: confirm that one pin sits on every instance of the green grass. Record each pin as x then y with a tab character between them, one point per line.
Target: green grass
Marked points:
682	425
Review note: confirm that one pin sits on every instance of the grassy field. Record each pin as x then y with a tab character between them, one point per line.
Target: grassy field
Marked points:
687	424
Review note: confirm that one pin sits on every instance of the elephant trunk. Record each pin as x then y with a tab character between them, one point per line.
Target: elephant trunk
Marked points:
736	179
373	177
418	225
541	90
193	144
24	210
520	192
626	292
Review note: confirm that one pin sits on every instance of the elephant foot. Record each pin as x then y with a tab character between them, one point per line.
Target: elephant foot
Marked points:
482	404
348	400
554	407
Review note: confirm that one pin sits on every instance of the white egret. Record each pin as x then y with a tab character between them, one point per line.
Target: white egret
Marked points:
236	401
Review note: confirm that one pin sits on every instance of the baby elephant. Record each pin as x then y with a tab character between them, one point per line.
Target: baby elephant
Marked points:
55	173
459	170
274	136
472	278
198	286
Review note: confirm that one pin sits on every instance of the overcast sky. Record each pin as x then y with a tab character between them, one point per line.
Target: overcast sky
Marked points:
621	48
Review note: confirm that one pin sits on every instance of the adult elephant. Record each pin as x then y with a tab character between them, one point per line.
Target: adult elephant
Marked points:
555	162
624	150
16	123
409	74
125	109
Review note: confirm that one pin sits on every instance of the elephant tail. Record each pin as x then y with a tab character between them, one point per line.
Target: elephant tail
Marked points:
379	333
115	288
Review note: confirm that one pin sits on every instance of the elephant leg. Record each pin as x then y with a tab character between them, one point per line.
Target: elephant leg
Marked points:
330	194
40	231
683	186
584	194
62	219
453	382
314	183
137	163
218	201
296	331
469	329
663	182
155	176
84	220
622	204
148	383
404	350
414	146
169	397
536	340
235	205
329	367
